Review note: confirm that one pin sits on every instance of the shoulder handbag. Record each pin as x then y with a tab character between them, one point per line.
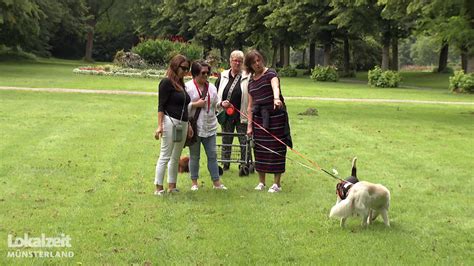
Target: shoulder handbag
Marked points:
193	122
177	130
222	115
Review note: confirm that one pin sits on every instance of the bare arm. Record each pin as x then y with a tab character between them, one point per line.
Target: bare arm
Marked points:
250	116
159	130
276	93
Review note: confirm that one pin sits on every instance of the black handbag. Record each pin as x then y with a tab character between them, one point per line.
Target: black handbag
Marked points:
193	122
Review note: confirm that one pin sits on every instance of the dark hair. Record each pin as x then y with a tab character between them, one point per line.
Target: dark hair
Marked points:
250	58
172	72
196	67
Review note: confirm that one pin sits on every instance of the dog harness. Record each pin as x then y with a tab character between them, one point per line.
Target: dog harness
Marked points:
342	189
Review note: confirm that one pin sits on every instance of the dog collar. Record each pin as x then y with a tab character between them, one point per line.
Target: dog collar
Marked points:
342	189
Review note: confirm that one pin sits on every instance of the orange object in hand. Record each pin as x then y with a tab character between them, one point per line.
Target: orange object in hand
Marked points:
230	110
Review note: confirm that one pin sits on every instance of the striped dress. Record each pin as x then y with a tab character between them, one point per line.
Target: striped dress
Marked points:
262	95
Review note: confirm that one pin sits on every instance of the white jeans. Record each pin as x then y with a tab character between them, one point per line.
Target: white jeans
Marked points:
170	151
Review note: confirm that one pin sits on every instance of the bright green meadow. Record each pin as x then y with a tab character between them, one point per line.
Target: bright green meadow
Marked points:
83	165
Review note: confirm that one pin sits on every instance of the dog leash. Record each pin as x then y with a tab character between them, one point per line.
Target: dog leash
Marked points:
293	150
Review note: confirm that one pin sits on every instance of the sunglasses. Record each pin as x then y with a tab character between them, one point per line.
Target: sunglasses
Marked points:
185	69
204	73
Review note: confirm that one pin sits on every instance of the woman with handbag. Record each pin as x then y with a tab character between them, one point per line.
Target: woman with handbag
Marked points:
172	122
202	110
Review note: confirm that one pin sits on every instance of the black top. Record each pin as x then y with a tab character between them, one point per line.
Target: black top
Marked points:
171	101
236	97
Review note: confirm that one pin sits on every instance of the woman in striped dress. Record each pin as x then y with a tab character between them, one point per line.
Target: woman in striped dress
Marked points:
267	108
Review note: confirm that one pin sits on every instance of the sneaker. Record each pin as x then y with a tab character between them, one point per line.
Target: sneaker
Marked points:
159	192
174	190
274	188
260	186
220	187
194	188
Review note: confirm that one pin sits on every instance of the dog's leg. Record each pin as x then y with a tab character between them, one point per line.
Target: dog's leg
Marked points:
369	219
343	222
385	217
365	217
374	215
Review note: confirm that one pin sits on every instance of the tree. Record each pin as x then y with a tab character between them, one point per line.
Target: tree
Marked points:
32	24
451	22
96	10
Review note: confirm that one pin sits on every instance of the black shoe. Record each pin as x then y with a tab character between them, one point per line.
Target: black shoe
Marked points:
221	171
226	167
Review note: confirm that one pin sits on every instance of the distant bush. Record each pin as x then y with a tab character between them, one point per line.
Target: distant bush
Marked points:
324	73
287	71
447	70
8	53
161	51
461	82
384	79
129	59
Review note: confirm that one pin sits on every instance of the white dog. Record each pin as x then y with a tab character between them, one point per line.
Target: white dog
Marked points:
361	198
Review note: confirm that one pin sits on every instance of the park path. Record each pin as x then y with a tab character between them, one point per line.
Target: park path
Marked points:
121	92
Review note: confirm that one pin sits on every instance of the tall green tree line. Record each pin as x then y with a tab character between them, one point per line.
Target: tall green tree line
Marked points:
98	28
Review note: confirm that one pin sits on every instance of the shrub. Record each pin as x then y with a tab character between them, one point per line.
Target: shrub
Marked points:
129	59
16	53
461	82
447	70
383	79
191	51
324	73
154	51
287	71
161	51
214	59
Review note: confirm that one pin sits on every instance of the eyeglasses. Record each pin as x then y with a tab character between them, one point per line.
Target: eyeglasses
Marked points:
204	73
237	61
184	68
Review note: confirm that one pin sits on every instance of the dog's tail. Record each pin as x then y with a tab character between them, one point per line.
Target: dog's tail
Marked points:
354	168
343	209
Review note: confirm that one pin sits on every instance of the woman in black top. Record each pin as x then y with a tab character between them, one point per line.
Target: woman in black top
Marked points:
172	113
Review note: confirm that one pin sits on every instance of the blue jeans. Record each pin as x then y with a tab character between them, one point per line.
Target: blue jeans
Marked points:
209	144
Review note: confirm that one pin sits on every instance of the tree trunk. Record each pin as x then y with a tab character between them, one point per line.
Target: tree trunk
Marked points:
282	55
312	55
90	40
347	57
464	58
274	57
286	59
394	65
443	57
304	57
327	54
470	64
385	50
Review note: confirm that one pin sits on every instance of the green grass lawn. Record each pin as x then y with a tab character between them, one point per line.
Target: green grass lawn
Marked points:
56	73
83	165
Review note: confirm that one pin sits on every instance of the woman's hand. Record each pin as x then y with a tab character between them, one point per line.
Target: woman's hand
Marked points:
199	103
277	104
249	129
159	132
190	131
226	104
